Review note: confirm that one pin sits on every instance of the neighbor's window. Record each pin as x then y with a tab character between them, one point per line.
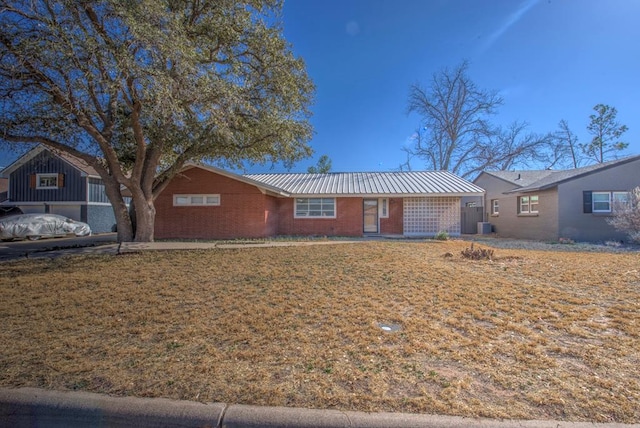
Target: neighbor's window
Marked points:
47	181
601	202
315	207
621	200
495	207
195	200
528	204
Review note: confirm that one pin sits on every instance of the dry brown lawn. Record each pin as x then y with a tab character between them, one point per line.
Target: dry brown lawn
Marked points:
529	335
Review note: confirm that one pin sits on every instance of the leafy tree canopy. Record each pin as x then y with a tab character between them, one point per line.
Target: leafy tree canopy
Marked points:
323	166
606	132
139	88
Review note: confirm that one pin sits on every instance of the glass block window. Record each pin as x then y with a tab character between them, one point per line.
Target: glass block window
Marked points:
429	216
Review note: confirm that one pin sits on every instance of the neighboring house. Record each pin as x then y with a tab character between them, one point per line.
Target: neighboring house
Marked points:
4	186
209	203
549	205
42	181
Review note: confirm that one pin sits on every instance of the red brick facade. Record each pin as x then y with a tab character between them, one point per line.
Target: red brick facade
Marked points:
348	221
245	211
392	225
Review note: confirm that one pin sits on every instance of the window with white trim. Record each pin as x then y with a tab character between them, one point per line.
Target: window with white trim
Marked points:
384	208
621	200
601	202
46	181
528	204
196	200
315	208
495	207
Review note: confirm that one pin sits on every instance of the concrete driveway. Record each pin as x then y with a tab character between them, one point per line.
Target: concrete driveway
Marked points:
43	247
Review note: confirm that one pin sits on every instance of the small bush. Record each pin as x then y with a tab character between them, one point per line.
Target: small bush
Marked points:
477	253
441	236
626	216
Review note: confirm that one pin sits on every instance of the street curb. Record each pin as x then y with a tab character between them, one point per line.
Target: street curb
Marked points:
29	407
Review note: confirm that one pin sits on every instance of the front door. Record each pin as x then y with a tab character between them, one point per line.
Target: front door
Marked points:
370	215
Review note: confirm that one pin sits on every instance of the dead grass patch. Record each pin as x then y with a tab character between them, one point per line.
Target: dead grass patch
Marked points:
530	334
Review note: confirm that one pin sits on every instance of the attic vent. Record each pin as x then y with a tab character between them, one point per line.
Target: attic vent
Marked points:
518	177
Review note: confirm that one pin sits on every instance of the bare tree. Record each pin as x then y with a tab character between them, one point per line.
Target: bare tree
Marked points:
626	216
454	113
513	147
567	147
606	132
456	134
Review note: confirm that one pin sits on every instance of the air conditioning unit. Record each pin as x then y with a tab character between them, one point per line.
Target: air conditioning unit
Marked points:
484	228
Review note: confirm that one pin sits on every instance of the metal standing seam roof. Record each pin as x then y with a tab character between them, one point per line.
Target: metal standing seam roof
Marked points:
417	183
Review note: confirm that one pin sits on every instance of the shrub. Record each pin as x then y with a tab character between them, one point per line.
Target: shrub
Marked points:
441	236
626	216
477	253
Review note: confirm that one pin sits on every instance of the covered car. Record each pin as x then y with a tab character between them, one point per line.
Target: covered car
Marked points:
36	226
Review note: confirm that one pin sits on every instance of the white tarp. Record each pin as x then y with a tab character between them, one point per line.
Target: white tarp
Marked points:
36	226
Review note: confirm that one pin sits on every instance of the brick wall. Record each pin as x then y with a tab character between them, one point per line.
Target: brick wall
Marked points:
348	221
393	224
271	216
244	211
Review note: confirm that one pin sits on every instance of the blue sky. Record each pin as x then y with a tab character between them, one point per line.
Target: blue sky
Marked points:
549	60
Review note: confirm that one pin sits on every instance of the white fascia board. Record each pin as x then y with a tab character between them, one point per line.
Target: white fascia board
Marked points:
385	195
263	187
22	160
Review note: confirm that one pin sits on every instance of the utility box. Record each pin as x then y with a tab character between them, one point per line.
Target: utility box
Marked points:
484	228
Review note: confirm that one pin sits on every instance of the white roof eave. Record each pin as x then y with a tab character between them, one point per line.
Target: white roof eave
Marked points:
385	195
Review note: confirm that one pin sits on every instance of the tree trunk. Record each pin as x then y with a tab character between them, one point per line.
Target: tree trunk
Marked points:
120	211
145	215
123	224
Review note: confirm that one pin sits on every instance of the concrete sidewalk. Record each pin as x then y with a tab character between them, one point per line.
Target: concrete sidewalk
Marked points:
134	247
31	407
58	249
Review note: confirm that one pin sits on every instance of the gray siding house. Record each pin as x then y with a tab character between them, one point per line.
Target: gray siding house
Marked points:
552	204
42	181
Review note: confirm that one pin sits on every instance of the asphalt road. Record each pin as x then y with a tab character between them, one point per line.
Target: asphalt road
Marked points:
46	247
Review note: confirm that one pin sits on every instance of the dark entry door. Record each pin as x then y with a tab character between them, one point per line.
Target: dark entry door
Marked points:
370	210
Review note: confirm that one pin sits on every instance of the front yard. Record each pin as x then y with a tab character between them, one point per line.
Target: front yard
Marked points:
377	326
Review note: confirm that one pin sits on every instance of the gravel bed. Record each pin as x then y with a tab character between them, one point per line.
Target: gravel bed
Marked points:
523	244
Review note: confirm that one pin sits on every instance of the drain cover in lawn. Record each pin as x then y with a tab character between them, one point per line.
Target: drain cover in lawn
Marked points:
389	327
